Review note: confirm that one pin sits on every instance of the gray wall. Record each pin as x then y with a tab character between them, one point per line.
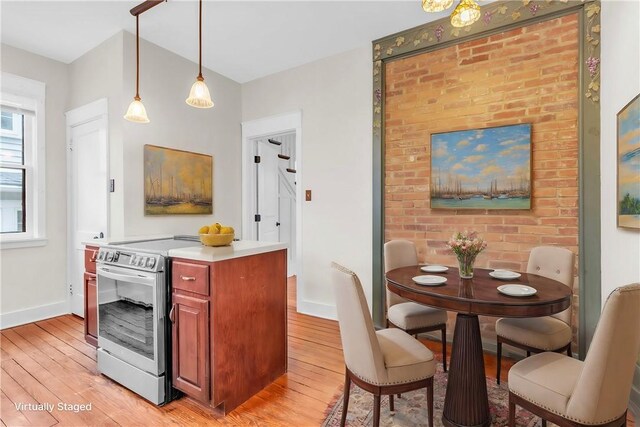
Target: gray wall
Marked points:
35	277
335	97
98	74
165	80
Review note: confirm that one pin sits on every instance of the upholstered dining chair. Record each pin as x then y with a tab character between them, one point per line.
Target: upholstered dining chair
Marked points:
595	392
548	333
410	316
381	362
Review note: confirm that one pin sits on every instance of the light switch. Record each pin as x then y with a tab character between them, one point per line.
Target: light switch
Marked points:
307	195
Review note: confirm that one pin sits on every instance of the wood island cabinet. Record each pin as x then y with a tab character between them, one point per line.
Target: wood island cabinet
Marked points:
90	296
229	326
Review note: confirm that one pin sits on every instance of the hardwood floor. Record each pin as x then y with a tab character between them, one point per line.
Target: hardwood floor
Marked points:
49	362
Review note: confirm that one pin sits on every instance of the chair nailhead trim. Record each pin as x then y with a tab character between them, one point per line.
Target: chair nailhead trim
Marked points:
565	415
392	383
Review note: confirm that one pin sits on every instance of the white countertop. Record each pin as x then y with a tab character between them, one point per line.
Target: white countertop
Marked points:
237	249
125	239
199	252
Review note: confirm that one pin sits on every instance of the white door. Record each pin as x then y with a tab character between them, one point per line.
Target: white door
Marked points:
88	195
287	211
267	195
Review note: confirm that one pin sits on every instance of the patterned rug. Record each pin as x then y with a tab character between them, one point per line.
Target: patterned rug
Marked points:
411	408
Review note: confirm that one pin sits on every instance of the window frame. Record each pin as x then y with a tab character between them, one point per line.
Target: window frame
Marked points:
19	93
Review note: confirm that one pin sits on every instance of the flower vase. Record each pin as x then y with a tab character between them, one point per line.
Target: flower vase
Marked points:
465	265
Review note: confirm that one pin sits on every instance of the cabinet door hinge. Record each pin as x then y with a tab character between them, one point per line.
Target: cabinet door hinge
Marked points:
256	159
70	289
257	217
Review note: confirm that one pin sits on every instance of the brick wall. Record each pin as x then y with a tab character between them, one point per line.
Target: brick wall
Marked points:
526	75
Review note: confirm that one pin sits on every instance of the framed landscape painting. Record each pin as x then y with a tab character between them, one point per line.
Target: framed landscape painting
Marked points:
177	182
482	168
628	195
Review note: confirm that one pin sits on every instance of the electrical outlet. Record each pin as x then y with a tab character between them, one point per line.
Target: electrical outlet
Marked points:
307	195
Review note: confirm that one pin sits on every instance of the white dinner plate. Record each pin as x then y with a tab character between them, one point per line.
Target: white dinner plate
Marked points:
434	268
429	280
515	290
504	274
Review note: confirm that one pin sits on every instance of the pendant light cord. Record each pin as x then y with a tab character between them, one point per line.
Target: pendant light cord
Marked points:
200	44
137	59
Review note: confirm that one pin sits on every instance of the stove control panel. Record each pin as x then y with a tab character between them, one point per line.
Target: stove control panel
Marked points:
136	260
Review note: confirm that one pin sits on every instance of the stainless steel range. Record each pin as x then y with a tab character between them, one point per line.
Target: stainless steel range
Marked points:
133	295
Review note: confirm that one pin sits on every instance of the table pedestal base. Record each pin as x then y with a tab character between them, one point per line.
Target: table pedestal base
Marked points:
466	403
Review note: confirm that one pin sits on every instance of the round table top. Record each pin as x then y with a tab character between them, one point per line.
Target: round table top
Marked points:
480	294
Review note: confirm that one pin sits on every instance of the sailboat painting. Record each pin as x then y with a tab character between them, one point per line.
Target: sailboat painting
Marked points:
482	168
177	182
629	165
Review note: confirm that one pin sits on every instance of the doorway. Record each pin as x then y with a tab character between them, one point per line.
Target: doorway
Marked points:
87	189
275	220
271	185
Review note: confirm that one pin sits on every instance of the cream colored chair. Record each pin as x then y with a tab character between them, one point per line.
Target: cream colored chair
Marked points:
548	333
407	315
384	362
595	392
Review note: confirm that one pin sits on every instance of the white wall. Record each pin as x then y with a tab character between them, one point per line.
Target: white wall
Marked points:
165	80
35	277
335	97
620	84
98	74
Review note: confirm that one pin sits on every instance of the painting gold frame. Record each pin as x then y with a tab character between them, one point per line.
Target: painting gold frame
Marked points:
628	163
177	182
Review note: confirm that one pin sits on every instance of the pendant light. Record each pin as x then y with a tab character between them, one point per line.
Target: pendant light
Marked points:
436	5
136	111
466	13
199	96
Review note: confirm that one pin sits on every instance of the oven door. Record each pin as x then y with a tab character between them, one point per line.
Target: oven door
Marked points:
131	316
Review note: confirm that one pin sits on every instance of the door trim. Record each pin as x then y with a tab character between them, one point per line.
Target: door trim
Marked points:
96	110
251	130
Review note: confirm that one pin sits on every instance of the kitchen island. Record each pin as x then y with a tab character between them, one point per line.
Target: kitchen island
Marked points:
227	317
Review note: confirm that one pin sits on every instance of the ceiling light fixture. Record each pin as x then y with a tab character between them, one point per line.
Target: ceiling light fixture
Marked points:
436	5
136	111
199	95
466	13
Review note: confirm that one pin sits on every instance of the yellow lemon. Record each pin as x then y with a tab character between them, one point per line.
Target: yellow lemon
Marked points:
218	226
213	230
226	230
204	229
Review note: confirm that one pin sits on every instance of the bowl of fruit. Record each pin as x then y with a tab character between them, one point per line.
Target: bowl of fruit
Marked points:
216	235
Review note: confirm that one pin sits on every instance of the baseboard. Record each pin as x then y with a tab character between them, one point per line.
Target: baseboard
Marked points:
21	317
634	400
311	308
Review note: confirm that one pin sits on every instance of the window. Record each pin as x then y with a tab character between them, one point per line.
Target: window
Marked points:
7	121
22	214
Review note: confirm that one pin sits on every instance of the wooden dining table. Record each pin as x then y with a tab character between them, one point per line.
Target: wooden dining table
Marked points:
466	401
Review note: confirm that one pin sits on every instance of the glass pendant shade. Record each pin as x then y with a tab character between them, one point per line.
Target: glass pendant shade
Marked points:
436	5
136	112
199	95
466	13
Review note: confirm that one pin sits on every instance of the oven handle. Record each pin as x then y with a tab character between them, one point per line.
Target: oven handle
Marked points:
141	280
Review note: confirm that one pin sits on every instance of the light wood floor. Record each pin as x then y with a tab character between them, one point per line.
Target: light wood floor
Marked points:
49	362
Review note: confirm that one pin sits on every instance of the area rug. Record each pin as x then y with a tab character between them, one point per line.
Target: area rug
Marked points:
411	408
